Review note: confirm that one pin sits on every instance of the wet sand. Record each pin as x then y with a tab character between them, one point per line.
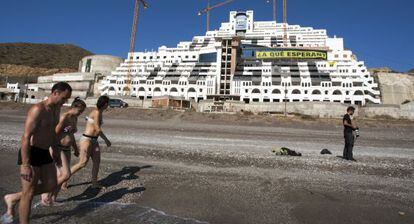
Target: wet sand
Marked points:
172	167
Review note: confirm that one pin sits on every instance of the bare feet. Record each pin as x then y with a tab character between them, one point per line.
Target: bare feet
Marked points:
10	203
46	203
64	187
6	219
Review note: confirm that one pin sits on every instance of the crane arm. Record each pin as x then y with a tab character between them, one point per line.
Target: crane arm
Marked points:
215	6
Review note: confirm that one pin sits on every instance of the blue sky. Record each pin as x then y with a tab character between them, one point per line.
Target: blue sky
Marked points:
380	32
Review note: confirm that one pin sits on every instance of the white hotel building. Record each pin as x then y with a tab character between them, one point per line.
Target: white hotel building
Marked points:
249	61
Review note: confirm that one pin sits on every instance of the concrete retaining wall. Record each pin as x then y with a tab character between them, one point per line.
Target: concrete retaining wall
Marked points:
405	111
315	109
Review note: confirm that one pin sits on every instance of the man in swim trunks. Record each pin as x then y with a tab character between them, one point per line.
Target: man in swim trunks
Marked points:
36	163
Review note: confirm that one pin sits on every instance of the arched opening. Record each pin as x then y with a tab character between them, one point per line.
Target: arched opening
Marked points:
157	89
173	90
256	91
111	88
141	89
296	91
316	92
337	92
191	90
358	93
276	91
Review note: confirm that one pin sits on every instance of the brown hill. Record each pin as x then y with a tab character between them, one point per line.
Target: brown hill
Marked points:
27	61
42	55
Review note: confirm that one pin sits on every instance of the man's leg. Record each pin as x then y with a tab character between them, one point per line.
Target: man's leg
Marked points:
28	190
350	147
345	153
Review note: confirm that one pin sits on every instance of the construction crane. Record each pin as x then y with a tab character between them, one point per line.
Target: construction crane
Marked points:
285	37
128	81
209	8
274	9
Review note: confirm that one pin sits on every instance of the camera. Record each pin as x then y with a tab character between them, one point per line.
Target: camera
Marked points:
357	132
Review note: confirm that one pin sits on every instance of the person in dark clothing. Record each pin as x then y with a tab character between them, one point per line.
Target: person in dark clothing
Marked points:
348	133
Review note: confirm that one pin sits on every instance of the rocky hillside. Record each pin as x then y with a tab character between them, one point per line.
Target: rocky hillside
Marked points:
21	60
42	55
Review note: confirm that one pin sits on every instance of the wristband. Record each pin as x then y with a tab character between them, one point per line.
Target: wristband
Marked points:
26	165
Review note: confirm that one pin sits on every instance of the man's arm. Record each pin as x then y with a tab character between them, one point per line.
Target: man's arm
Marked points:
32	121
56	139
346	123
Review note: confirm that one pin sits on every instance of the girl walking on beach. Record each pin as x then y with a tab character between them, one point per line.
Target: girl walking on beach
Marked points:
65	130
88	145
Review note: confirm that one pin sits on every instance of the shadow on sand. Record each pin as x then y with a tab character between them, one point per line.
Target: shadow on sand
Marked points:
88	199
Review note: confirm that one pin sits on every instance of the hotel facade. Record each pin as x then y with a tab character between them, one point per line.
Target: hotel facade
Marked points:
248	61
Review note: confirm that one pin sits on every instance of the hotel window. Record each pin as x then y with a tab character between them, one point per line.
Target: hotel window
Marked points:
336	56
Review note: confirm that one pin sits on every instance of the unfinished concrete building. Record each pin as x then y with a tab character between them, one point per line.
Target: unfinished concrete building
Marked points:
91	71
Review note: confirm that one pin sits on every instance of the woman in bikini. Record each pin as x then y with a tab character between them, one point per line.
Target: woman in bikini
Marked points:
88	145
65	130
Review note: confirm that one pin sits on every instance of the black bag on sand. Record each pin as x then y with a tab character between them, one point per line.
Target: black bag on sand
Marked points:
325	151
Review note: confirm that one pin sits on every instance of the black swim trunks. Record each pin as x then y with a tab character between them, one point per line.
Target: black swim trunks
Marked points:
38	156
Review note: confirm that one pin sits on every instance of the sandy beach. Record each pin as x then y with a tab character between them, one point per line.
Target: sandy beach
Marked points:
186	167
